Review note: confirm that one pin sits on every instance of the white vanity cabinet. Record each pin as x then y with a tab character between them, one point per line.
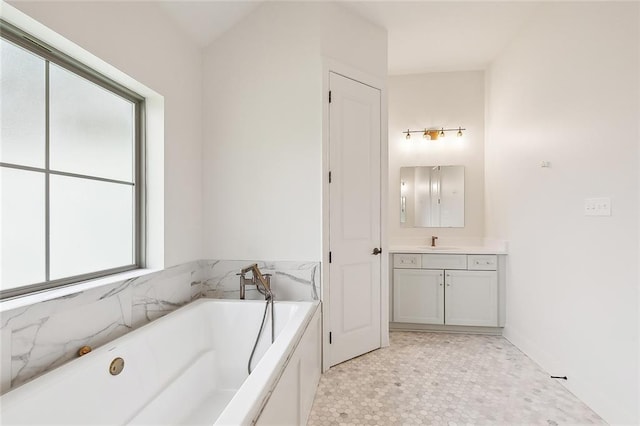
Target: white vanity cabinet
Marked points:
447	289
471	298
418	296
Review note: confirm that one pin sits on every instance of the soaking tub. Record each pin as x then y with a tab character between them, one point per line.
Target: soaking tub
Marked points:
188	367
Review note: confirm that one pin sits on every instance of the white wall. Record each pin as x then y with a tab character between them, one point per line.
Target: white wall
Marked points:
262	151
263	114
449	100
353	42
566	90
138	39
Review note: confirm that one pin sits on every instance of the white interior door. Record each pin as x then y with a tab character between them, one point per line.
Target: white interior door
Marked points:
354	203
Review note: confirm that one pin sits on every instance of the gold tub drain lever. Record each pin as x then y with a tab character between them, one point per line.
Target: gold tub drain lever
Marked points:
84	350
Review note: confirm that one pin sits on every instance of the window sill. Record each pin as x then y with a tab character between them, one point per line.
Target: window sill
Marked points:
55	293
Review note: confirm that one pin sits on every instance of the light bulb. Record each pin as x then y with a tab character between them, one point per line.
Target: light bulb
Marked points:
459	132
408	134
442	133
426	134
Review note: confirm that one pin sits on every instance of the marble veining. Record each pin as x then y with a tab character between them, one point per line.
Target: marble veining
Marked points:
42	336
124	286
48	334
294	281
153	299
52	341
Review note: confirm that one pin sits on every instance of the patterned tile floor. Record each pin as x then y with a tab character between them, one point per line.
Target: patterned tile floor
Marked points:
445	379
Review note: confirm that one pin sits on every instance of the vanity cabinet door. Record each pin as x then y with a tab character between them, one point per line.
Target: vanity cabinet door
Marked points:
418	296
471	298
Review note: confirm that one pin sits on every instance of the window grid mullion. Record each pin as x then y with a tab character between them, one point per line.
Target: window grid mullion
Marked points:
59	173
47	180
16	37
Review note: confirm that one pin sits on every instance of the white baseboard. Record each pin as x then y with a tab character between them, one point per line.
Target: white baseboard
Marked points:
431	328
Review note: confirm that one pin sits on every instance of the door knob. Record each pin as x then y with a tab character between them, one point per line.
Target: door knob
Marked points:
377	250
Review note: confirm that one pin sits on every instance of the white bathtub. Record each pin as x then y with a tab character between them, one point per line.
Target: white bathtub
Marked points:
189	367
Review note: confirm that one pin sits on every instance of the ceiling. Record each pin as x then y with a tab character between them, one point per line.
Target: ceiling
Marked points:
204	21
424	36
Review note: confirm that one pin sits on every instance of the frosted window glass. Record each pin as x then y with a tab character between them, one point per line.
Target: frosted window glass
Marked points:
91	226
91	129
22	228
22	106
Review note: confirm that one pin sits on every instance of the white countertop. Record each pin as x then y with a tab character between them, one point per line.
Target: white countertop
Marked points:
447	249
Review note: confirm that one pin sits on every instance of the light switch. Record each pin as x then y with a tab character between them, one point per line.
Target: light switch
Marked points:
597	206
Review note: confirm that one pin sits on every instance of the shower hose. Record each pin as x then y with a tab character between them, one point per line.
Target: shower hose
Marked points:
268	303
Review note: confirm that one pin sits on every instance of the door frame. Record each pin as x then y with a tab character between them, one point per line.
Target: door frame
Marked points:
332	66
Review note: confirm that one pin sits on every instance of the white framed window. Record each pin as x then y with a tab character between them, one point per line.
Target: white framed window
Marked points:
71	170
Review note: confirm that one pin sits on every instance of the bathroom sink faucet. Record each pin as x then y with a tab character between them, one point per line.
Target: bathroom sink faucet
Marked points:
433	240
257	279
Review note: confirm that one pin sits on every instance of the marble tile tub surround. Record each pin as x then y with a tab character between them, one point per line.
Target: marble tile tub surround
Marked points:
289	280
42	336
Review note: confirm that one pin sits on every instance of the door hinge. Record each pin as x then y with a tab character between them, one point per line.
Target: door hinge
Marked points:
329	96
329	177
438	200
329	337
329	257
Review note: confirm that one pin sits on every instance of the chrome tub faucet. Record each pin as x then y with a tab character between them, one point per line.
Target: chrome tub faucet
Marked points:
260	280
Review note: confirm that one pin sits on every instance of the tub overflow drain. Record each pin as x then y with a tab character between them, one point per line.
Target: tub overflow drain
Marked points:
116	367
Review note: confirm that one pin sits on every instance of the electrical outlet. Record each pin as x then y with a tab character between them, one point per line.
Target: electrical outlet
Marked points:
597	206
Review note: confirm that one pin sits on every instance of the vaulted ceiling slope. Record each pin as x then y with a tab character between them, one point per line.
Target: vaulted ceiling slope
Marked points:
424	36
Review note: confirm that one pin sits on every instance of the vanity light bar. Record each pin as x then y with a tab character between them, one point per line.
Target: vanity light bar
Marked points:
433	134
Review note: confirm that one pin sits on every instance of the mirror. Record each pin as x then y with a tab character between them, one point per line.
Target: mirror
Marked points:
432	196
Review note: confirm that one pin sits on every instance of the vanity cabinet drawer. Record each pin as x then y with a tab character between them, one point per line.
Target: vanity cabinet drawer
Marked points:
444	261
407	261
478	262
